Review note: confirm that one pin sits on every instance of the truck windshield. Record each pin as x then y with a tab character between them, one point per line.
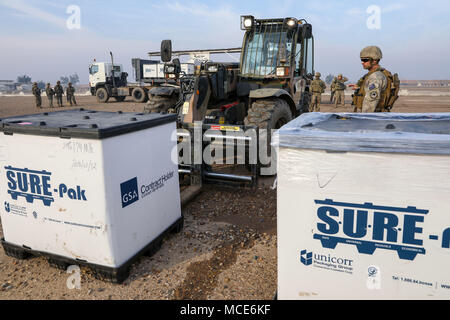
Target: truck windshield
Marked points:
266	48
93	69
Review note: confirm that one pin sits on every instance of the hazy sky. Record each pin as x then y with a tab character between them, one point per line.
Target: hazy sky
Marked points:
35	38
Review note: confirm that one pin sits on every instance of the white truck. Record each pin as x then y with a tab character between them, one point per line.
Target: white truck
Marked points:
107	79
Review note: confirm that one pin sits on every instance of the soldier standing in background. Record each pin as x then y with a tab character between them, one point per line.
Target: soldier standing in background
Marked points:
50	93
59	91
37	94
332	88
317	88
339	87
378	89
70	92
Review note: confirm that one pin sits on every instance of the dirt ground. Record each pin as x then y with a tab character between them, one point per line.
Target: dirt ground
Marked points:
226	250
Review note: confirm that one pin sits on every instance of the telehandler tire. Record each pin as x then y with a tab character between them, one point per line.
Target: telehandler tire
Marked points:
268	115
158	104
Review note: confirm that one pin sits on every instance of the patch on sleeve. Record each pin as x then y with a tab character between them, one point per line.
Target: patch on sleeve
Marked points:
374	95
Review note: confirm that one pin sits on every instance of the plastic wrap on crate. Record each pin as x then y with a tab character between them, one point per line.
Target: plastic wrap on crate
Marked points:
424	133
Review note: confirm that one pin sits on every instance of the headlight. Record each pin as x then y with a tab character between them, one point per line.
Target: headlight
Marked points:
247	22
212	69
282	71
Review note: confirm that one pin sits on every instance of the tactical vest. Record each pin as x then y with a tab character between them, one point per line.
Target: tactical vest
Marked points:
388	96
339	85
316	87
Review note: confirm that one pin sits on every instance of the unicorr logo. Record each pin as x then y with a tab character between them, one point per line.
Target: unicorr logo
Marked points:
7	207
306	257
326	261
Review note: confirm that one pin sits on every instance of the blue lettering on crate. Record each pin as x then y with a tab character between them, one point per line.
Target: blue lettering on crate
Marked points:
36	185
370	227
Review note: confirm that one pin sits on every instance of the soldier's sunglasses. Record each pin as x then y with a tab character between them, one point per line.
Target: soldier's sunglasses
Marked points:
365	60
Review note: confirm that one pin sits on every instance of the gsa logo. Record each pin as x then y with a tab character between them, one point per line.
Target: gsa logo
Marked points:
306	257
129	191
7	208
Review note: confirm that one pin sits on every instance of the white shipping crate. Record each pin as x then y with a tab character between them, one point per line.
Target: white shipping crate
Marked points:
363	204
155	70
188	68
93	187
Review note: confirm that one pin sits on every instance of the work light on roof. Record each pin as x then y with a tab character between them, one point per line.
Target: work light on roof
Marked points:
291	22
247	22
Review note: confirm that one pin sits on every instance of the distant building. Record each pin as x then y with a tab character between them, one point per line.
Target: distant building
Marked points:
8	86
425	83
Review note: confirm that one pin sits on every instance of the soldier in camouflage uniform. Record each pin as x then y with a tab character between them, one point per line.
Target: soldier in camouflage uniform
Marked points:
70	93
317	88
373	85
37	94
50	93
59	91
339	88
332	88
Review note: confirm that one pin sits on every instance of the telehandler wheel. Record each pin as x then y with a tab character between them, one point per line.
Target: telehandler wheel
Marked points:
139	95
102	95
120	98
159	104
268	115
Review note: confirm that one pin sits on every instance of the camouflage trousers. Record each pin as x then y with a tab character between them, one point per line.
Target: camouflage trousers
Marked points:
71	99
59	100
50	101
38	101
315	102
339	97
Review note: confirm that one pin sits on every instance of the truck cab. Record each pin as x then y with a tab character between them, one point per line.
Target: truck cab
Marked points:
101	75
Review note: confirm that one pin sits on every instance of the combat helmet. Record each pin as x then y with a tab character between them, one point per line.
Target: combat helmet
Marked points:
318	74
372	52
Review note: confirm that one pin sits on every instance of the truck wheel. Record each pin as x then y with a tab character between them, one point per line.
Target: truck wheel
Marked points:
120	98
102	95
268	115
139	95
159	103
